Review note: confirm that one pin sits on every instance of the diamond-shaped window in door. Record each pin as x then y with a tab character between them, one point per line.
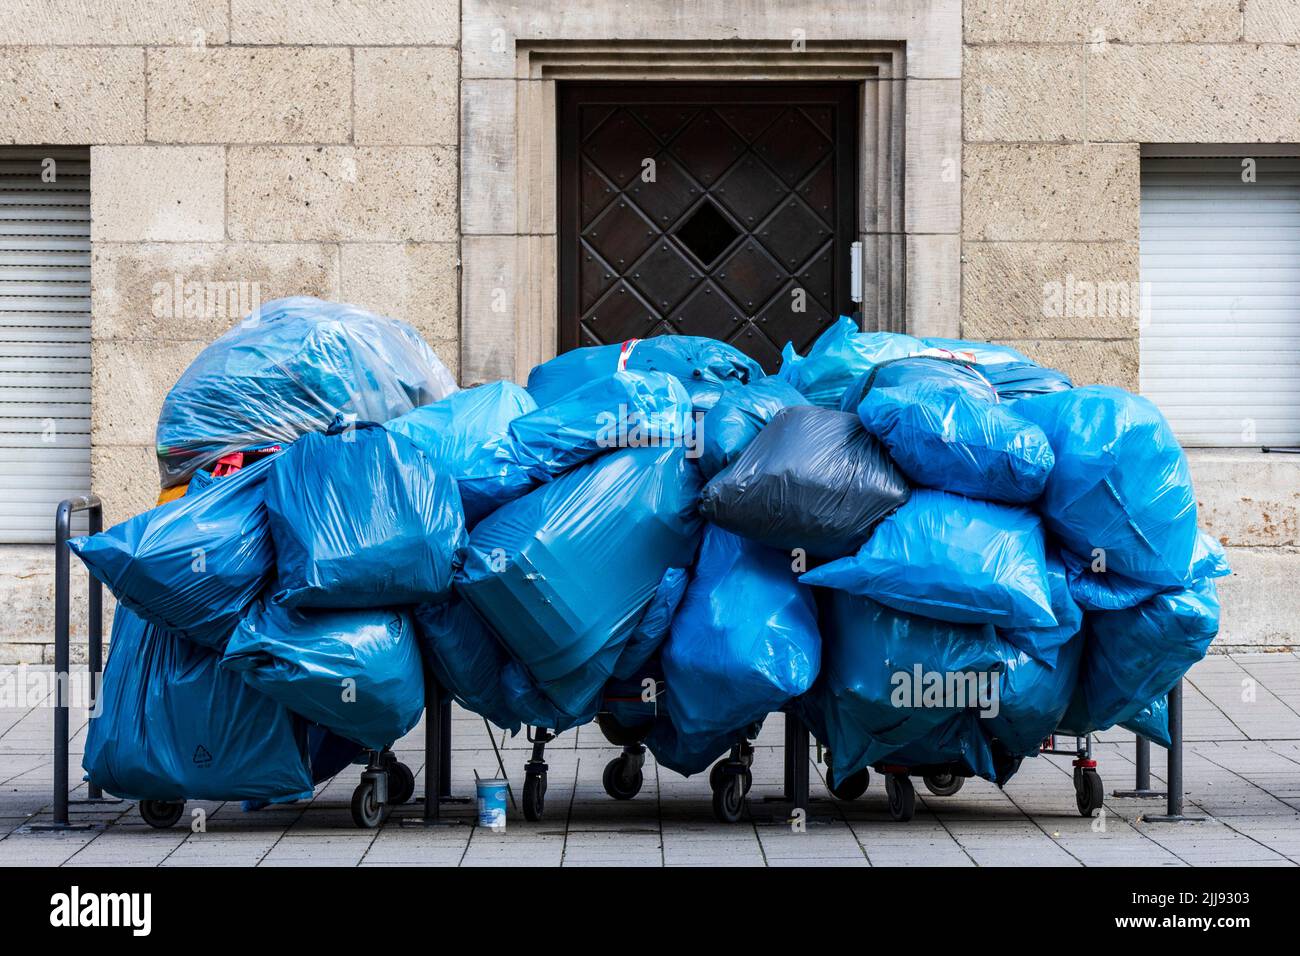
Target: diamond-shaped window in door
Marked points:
707	233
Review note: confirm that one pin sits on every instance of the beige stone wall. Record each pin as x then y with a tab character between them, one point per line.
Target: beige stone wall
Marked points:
1057	98
295	147
304	146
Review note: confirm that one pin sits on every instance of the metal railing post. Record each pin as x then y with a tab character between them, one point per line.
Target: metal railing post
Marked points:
1142	777
1174	778
63	655
94	634
62	524
437	756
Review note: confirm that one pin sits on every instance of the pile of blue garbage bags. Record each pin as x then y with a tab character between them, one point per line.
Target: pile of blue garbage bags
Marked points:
935	552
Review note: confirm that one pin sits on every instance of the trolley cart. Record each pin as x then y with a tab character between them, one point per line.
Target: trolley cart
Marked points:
624	719
945	780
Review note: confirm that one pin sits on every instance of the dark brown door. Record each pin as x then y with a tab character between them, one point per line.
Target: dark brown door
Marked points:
722	210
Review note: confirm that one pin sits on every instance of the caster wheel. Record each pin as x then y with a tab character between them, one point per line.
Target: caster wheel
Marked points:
902	797
534	796
618	784
729	799
161	814
854	785
367	811
716	774
1088	792
943	784
401	783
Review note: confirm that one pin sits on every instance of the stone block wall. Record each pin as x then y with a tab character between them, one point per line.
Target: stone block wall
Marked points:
302	146
1058	97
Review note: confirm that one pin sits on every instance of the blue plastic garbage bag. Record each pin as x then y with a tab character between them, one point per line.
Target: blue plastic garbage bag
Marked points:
705	366
534	708
626	409
468	434
192	565
328	753
890	678
201	480
839	358
1151	722
813	479
652	629
1032	696
1136	655
1121	482
1106	590
743	642
1013	380
573	694
958	745
289	368
945	428
466	658
952	558
568	569
355	671
983	354
1044	643
738	417
175	726
362	518
690	754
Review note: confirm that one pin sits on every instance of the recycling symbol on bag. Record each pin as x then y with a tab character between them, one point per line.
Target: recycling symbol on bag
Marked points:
201	756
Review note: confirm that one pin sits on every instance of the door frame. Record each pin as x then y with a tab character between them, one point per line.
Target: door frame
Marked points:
846	95
909	66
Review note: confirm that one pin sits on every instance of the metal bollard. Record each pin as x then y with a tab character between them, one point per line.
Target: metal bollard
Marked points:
1142	782
437	757
63	654
1174	797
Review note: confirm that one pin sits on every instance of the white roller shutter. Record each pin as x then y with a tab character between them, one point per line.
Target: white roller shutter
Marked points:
1220	342
44	336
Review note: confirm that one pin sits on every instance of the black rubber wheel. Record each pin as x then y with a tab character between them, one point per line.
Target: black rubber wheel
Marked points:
401	783
534	796
1088	792
943	784
716	772
729	799
367	812
617	782
161	814
902	797
854	786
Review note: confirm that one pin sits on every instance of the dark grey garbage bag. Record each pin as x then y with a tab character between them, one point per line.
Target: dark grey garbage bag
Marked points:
813	479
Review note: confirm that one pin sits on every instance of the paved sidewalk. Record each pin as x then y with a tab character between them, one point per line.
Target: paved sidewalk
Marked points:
1242	773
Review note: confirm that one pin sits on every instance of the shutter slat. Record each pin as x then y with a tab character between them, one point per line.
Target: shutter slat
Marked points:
70	320
29	227
29	333
61	303
46	243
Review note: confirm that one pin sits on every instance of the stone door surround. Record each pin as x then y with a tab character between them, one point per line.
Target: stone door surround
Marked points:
906	55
